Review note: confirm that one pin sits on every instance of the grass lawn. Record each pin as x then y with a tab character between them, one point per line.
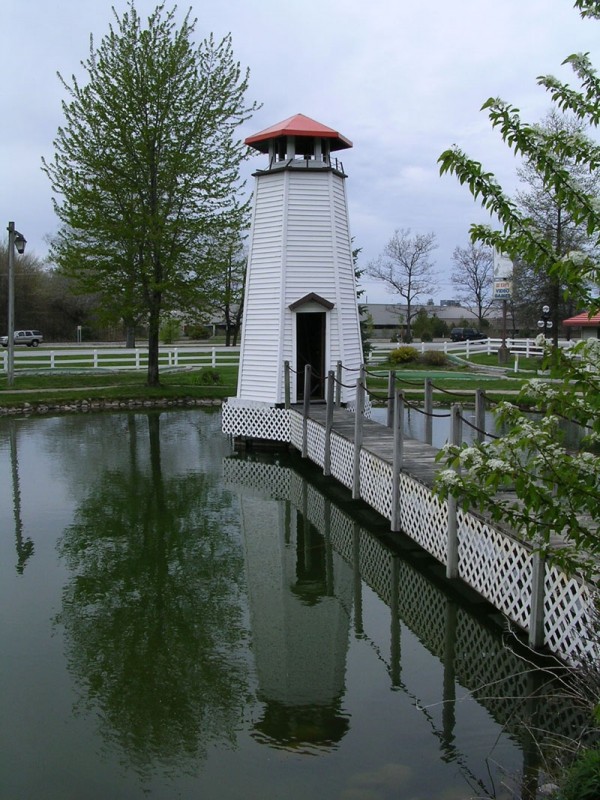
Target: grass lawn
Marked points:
65	385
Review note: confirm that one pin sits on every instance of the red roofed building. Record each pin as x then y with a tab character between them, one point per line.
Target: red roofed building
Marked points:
589	326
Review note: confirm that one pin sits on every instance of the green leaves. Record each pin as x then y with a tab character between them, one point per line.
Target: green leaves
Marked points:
529	478
147	163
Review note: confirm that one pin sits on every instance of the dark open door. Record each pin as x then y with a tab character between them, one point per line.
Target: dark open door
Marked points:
310	349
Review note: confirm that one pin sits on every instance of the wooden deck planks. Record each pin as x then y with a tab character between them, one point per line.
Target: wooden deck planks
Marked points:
419	458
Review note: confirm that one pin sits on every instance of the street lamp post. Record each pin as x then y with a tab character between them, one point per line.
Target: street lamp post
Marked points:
545	322
16	241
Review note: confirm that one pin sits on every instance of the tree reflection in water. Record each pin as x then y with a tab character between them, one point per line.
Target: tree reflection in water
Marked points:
153	611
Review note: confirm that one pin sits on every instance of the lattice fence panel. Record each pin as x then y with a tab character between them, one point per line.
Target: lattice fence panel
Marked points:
256	423
316	442
568	614
376	483
296	430
496	566
342	460
423	517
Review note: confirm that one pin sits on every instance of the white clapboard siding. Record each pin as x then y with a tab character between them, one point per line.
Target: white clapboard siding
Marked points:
299	244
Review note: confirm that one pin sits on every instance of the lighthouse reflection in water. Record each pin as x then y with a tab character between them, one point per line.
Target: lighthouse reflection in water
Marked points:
181	621
300	596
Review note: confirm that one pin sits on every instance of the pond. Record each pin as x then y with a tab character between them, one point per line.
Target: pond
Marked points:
179	621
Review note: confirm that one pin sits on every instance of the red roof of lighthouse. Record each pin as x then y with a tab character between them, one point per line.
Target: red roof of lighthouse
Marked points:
298	125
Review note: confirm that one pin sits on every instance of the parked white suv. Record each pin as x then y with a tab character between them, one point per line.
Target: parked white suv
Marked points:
30	338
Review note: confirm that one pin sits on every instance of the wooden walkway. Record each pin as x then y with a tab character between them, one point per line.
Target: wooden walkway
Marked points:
418	458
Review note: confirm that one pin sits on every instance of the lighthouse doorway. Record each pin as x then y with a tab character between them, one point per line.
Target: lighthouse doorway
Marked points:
310	349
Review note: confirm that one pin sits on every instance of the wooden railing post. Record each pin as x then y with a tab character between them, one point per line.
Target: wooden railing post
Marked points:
452	552
338	384
305	410
358	432
398	457
480	414
391	387
428	409
286	383
536	619
328	422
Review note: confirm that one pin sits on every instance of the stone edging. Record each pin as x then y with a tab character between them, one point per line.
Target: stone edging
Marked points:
107	405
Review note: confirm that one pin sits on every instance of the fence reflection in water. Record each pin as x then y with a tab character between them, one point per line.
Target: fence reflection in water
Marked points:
473	652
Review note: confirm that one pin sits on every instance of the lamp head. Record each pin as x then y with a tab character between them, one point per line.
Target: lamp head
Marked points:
20	242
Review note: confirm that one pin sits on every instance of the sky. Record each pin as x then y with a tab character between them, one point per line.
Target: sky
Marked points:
402	80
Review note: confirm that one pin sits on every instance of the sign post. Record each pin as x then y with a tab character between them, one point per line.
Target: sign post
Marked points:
503	274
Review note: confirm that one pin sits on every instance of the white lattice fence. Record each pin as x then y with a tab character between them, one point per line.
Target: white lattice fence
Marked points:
316	442
496	566
568	611
376	483
342	460
272	424
424	517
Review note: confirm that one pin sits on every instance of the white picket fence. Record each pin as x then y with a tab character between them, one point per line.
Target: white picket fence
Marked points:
518	347
205	356
120	358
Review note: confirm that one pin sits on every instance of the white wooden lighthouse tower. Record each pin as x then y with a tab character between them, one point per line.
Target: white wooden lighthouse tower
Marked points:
300	303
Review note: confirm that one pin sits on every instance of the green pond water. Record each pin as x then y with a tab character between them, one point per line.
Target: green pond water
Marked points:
178	621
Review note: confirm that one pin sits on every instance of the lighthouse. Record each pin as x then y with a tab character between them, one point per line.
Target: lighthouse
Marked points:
300	301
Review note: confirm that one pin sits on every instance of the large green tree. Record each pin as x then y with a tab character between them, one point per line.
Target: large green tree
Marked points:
557	488
147	165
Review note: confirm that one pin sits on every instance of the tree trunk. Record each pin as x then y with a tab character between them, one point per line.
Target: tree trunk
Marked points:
153	344
129	335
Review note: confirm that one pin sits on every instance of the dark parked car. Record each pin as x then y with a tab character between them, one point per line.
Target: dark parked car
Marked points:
463	334
29	338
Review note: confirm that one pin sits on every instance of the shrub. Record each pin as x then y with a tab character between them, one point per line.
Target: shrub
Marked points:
404	355
583	778
169	330
426	336
434	358
208	377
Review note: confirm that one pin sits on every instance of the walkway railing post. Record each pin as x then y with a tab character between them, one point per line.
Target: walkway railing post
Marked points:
536	620
358	432
328	422
391	387
428	408
305	410
480	414
286	383
338	384
452	552
398	457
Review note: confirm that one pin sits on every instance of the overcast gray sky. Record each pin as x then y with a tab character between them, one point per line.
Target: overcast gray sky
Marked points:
402	80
